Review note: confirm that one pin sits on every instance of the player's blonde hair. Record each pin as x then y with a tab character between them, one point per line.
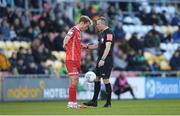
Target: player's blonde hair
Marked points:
85	19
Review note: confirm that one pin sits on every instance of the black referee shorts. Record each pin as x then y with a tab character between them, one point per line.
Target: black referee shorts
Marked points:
104	71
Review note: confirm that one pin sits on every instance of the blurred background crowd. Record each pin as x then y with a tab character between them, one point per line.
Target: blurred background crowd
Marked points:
147	34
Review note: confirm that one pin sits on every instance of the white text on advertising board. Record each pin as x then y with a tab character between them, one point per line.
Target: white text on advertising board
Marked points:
55	93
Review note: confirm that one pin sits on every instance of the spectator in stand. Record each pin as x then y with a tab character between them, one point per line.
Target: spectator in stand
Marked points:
153	17
67	20
41	68
131	60
25	19
120	62
143	16
21	53
153	38
135	42
18	26
15	15
140	62
13	62
86	67
43	27
7	12
21	68
13	35
176	34
136	61
28	56
58	41
175	20
119	32
40	53
49	41
36	31
175	60
5	28
4	62
163	17
28	34
19	3
119	16
31	68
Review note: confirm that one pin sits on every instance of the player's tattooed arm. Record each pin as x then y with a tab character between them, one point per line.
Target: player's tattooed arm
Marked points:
68	36
66	39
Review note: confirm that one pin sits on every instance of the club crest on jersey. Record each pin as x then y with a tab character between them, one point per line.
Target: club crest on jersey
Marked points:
102	40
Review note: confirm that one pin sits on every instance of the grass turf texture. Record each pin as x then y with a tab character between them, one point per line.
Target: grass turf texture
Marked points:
121	107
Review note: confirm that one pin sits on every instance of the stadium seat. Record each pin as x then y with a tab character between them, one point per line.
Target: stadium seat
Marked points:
9	45
24	44
171	9
49	62
144	29
16	45
2	44
128	36
170	29
175	28
163	46
125	28
9	53
128	20
151	58
131	29
62	55
57	66
164	65
55	53
138	28
163	29
169	48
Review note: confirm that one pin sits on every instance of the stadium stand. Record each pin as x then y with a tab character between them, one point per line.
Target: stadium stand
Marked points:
147	34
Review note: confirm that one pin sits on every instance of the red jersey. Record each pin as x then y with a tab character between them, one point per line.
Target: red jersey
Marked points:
73	47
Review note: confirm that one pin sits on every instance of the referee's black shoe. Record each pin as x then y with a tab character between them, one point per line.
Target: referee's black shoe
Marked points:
107	105
91	103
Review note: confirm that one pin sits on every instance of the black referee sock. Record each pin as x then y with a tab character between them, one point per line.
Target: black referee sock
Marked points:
108	91
97	87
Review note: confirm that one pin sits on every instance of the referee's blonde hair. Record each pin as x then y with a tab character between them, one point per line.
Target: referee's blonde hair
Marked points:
103	19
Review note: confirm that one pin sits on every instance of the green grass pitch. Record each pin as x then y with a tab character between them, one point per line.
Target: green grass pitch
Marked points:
121	107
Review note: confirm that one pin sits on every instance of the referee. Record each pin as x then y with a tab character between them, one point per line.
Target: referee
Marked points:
105	60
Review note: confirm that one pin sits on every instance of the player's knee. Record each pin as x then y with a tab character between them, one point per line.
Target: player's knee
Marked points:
106	81
74	80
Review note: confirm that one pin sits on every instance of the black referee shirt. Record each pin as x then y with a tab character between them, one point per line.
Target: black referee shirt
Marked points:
105	36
